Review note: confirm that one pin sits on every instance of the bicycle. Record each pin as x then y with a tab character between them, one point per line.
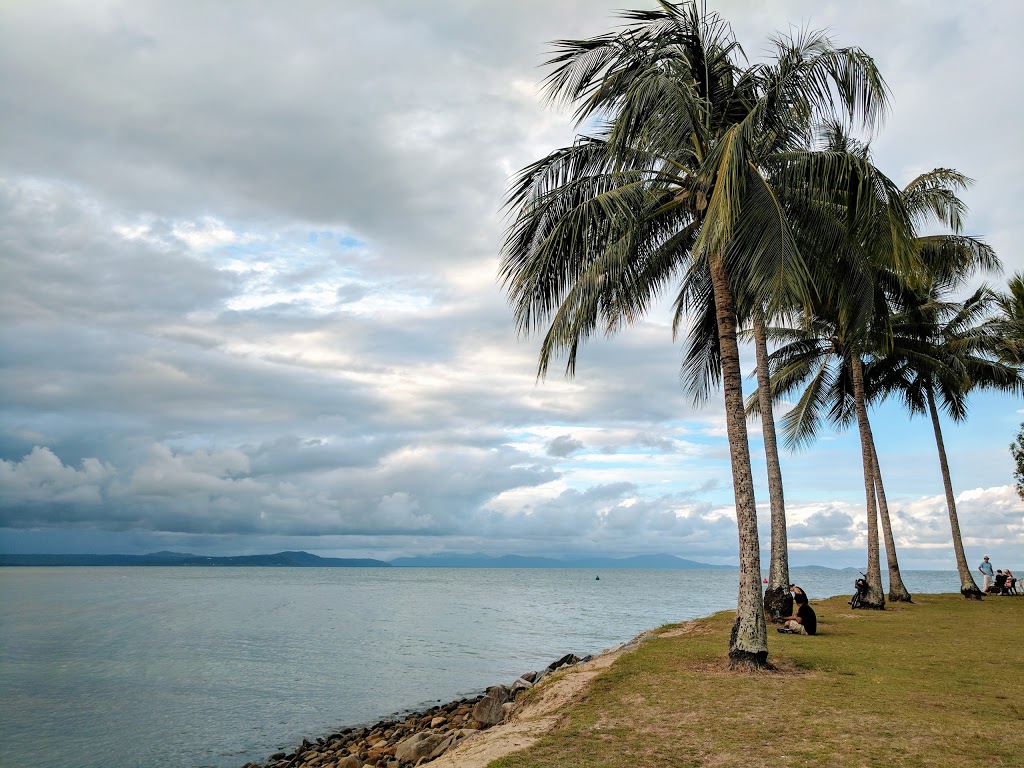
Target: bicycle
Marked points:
861	585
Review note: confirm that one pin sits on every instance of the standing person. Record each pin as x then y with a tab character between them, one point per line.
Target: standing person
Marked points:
986	570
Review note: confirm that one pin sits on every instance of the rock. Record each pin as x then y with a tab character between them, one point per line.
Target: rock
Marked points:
488	711
351	761
445	744
278	755
417	746
519	686
500	692
530	677
565	661
438	721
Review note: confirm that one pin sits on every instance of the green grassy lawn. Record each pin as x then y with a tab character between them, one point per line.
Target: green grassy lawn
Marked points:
936	683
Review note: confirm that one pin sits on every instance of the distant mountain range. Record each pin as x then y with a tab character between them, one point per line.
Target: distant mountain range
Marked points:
279	560
306	560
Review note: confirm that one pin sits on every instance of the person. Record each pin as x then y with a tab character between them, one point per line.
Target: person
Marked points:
986	570
1000	584
1011	582
805	622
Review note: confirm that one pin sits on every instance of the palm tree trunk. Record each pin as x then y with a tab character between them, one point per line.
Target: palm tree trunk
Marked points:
777	598
968	587
874	598
748	643
897	591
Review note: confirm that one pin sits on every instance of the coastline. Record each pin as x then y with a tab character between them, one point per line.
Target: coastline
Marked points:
466	733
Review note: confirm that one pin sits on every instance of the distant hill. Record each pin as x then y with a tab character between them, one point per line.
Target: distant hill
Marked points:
518	561
278	560
306	560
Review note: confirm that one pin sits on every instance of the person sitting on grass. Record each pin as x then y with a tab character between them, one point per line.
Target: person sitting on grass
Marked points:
1000	584
805	622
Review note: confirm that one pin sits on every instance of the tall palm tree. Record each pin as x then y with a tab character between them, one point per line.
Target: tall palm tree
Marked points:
943	349
942	352
849	320
678	176
700	370
822	359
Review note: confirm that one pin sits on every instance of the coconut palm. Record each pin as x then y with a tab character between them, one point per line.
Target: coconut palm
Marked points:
822	359
823	353
700	371
685	171
1007	327
942	349
942	352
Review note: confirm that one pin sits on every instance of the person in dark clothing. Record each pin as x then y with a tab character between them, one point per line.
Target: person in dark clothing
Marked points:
805	622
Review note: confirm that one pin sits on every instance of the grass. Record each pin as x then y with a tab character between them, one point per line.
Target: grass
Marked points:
936	683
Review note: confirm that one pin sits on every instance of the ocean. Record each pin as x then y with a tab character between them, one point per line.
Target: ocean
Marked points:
214	667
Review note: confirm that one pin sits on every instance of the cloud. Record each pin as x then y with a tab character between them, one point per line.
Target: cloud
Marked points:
250	288
564	445
41	477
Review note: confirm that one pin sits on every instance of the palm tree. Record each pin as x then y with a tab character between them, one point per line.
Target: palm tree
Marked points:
849	319
942	349
821	357
684	171
942	352
1007	328
700	371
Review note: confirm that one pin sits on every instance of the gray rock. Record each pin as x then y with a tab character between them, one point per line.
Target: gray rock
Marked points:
488	710
445	744
519	686
530	677
500	692
417	746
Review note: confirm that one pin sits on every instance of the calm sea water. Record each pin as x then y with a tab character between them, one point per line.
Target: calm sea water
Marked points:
187	667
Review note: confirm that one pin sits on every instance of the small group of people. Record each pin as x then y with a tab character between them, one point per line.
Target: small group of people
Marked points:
804	621
1001	582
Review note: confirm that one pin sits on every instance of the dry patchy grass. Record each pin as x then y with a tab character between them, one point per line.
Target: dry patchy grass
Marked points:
936	683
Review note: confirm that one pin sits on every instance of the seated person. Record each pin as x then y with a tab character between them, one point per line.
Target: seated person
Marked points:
805	622
999	587
1011	582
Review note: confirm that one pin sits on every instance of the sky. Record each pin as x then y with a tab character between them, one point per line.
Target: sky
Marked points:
249	291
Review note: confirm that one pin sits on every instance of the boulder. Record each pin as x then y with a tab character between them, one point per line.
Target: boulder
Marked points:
446	743
519	686
565	661
488	711
416	746
349	761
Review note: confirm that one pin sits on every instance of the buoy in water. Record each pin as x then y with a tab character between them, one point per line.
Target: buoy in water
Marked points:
597	578
764	581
